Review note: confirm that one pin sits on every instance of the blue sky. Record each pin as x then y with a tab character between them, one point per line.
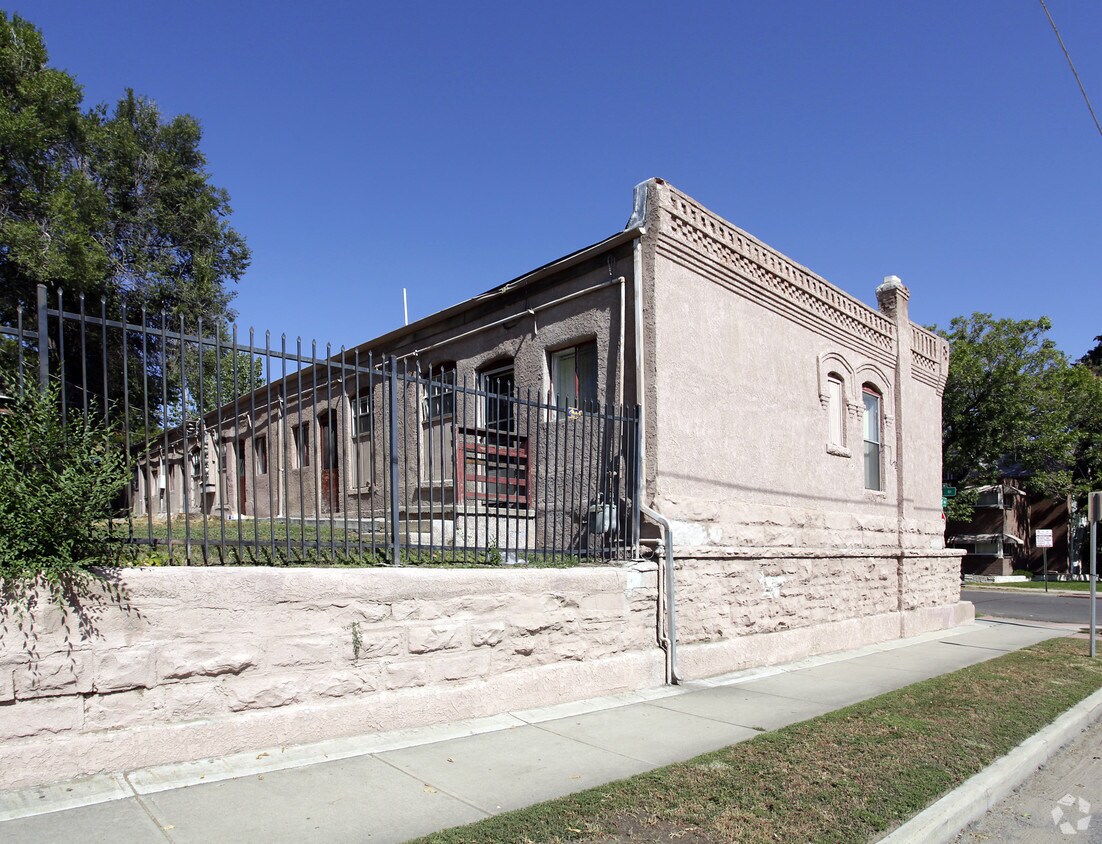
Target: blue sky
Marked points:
448	147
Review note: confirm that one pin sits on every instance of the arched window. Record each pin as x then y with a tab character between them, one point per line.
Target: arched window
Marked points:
874	428
836	410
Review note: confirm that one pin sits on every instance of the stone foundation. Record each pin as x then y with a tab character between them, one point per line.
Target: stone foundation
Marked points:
171	664
739	609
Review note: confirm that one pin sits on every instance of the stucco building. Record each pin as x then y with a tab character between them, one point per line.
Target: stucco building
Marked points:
790	433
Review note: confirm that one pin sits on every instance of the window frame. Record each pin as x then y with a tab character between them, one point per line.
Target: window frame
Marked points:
494	372
873	449
576	400
260	454
300	437
363	437
440	389
836	415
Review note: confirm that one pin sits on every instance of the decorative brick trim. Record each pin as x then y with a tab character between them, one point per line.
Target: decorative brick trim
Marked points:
834	313
929	358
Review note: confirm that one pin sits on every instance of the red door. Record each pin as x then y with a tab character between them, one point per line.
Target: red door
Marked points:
241	477
330	465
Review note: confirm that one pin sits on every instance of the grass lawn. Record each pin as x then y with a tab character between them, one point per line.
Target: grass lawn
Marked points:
1064	585
299	542
843	777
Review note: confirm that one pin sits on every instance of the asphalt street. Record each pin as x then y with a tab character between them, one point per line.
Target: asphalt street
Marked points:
1033	605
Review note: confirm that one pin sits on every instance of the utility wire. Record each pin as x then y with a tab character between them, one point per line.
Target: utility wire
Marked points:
1071	64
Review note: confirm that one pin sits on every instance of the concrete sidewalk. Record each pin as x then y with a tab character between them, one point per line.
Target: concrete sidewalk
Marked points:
396	786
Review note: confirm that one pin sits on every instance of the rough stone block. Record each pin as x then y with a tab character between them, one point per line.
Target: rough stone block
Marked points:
487	635
123	709
402	675
262	693
602	606
116	671
372	612
532	624
405	610
188	701
7	683
460	666
204	660
311	650
26	718
343	683
54	674
439	637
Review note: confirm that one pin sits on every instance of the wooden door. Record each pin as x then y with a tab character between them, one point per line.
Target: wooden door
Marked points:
330	464
241	477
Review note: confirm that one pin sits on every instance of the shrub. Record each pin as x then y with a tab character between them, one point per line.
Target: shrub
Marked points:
57	485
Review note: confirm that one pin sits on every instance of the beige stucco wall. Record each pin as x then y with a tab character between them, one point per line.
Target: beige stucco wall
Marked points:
182	663
737	425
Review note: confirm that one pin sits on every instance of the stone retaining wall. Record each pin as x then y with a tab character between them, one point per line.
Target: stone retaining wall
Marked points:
182	663
172	664
743	608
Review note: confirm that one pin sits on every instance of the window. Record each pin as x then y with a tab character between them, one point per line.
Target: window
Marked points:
363	426
992	548
574	376
990	498
301	434
836	409
872	439
261	445
499	384
437	457
440	392
362	422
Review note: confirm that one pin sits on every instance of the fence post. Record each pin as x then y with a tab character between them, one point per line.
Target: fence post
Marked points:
43	341
637	483
392	433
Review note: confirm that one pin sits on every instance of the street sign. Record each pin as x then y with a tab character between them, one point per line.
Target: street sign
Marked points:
1094	506
1044	539
944	502
948	491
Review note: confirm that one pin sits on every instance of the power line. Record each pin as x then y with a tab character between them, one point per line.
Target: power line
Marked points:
1071	64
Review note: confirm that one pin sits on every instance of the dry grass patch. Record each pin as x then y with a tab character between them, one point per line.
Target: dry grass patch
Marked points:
843	777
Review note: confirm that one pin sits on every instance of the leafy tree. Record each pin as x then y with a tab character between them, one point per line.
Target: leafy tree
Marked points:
1093	358
106	203
1013	401
115	204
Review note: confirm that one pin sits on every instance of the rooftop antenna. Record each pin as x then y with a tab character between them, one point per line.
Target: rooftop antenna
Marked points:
405	305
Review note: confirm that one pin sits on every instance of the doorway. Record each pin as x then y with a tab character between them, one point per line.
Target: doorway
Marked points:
330	463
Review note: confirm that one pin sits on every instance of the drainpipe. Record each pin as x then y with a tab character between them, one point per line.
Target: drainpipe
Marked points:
668	632
668	636
640	393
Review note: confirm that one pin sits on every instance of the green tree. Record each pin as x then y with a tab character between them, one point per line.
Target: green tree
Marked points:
50	206
1013	399
115	204
1093	358
105	202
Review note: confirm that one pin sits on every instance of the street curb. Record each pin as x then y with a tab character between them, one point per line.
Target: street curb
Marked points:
971	800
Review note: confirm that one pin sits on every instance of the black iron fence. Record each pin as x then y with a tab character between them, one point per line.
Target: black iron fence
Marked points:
245	451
